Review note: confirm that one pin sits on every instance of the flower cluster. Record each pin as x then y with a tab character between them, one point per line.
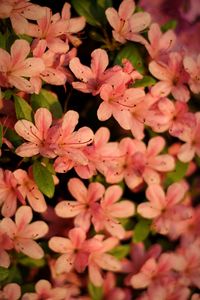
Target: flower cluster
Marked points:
99	151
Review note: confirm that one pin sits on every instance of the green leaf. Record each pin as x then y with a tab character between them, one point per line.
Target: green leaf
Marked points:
25	37
48	100
177	174
3	39
30	262
96	293
4	272
43	179
13	137
169	25
141	230
1	135
120	251
132	53
14	275
7	94
145	81
22	109
85	8
99	10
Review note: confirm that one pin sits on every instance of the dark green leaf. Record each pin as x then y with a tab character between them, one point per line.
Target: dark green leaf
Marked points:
96	293
120	251
169	25
43	179
22	109
85	8
48	100
7	94
14	275
25	37
145	81
30	262
13	137
4	272
132	53
141	230
177	174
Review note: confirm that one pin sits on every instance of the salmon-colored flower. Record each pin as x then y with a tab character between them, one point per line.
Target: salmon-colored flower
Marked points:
15	67
23	234
11	291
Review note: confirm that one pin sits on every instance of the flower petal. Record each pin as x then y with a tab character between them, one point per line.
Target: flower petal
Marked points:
60	245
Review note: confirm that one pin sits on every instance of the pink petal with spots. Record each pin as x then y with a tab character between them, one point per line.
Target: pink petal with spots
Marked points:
23	217
27	150
148	211
122	209
155	145
82	72
139	21
19	51
113	18
68	209
43	120
8	226
156	196
175	193
35	230
65	263
99	61
126	9
29	248
60	245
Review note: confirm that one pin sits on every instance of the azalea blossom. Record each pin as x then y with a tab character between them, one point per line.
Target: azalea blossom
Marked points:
99	259
19	11
106	215
23	234
44	290
9	193
29	190
11	291
165	209
192	67
68	144
5	244
93	78
190	135
139	163
160	44
126	24
82	209
16	68
172	76
36	134
151	271
49	28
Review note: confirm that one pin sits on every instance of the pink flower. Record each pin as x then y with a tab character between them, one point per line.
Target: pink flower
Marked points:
127	25
82	208
29	190
190	135
69	144
9	193
160	44
5	244
100	153
23	234
93	78
121	103
165	209
106	215
192	67
172	76
187	262
99	259
152	271
36	135
139	163
74	25
73	251
51	73
19	11
50	28
15	67
44	290
11	291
